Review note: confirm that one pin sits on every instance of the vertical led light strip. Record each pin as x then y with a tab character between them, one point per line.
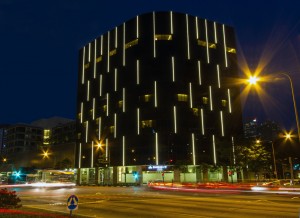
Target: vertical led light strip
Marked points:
155	94
225	46
81	111
187	36
191	96
214	149
137	27
116	37
215	28
171	20
115	125
93	108
210	99
154	46
233	150
137	72
88	91
116	77
101	51
218	75
199	73
89	52
79	156
222	123
194	153
156	148
106	149
207	41
107	101
108	39
173	70
83	63
100	85
202	122
124	38
92	155
124	100
138	121
86	131
95	57
123	153
229	100
197	31
99	128
175	119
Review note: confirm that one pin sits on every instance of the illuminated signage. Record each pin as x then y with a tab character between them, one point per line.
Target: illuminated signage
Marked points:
157	167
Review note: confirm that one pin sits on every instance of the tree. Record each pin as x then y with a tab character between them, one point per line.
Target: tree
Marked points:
254	156
9	199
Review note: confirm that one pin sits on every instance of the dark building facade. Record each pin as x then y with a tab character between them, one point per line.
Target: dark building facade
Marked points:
154	93
46	143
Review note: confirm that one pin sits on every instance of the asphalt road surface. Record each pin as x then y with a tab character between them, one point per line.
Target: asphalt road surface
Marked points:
142	202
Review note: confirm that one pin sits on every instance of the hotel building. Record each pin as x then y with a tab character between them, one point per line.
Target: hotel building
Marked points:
155	101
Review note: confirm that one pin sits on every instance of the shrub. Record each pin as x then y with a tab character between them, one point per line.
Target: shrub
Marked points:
9	199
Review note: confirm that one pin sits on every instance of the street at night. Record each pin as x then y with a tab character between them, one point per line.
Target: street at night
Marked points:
150	109
144	202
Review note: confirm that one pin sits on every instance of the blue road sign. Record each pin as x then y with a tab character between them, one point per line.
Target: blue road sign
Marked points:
72	202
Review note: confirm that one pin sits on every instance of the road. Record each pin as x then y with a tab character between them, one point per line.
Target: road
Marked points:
142	202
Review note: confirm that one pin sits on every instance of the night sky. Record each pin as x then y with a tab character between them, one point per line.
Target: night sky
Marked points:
40	41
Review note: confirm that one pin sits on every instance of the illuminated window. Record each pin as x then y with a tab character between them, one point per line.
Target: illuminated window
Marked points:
146	98
113	52
111	129
79	116
86	65
204	44
99	59
182	97
147	123
132	43
195	111
212	45
104	107
224	103
205	100
201	43
91	112
120	104
163	37
46	137
79	136
231	50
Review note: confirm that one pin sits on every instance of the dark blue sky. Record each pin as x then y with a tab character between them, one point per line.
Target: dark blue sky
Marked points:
40	40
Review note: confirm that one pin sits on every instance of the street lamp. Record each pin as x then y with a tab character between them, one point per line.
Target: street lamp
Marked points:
288	136
253	80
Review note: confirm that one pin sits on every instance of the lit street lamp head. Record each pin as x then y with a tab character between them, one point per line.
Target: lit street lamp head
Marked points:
253	80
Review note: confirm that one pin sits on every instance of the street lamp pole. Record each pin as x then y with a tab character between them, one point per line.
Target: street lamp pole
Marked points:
291	170
294	102
274	160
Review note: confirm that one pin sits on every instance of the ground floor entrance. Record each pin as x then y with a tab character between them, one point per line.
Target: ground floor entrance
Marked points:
137	175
